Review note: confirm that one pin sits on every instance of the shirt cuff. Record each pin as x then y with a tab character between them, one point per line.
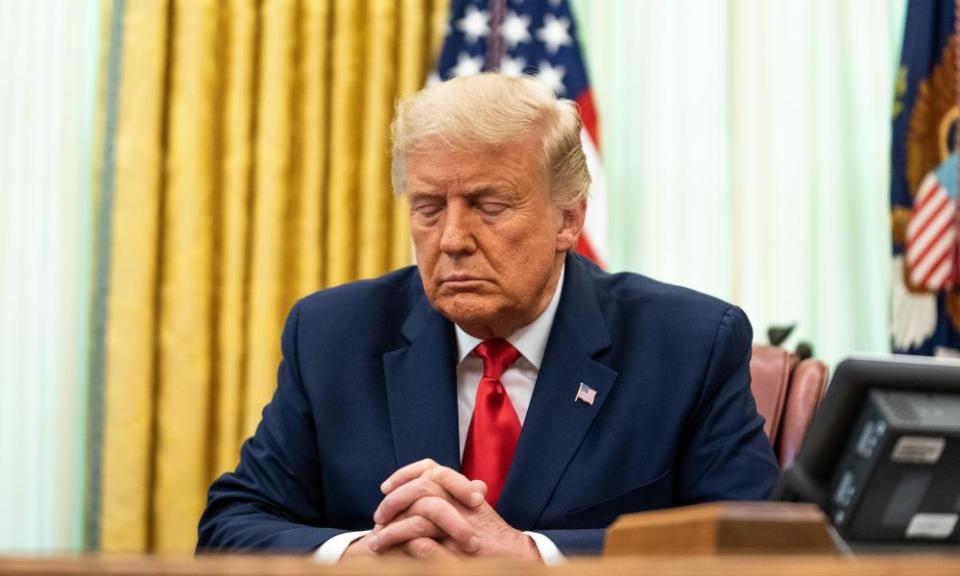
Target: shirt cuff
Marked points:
549	553
332	550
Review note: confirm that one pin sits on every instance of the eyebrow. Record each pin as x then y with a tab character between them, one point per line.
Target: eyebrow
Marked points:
470	194
413	195
490	189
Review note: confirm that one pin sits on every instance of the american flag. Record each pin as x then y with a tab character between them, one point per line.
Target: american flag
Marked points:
932	239
585	394
537	38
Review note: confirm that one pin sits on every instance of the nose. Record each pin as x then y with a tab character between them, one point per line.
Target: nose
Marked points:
457	236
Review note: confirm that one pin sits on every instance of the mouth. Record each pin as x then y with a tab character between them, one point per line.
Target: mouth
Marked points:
462	281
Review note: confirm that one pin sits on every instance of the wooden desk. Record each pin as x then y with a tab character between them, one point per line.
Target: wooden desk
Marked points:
827	565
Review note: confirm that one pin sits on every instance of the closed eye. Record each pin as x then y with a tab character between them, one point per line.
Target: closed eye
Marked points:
426	208
492	208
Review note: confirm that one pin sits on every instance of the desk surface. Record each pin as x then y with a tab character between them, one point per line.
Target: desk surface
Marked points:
819	565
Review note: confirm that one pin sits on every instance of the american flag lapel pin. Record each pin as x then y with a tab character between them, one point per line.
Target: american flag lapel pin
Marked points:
585	394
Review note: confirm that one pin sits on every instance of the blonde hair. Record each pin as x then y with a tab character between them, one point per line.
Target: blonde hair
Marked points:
487	111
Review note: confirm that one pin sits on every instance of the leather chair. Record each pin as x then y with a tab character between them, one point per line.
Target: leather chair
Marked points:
787	392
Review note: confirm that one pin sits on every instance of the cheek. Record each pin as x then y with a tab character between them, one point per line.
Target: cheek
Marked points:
425	244
529	258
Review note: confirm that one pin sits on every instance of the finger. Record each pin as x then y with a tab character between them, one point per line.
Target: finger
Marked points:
452	547
402	531
403	497
441	515
424	548
406	474
438	518
467	492
438	481
449	520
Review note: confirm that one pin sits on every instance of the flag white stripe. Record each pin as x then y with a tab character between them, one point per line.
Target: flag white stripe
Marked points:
943	271
929	184
916	248
920	269
931	210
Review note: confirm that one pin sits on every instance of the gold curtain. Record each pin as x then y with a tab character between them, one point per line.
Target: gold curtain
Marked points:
251	167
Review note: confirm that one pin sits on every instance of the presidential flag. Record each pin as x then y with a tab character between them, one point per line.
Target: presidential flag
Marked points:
537	38
925	172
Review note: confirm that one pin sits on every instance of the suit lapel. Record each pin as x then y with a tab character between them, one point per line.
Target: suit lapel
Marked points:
422	390
556	424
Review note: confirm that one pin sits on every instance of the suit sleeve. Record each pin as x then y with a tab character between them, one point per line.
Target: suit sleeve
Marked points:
580	542
728	456
274	498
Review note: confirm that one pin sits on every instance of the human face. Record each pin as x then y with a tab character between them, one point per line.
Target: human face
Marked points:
489	241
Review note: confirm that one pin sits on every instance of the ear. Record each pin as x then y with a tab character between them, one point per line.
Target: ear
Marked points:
571	225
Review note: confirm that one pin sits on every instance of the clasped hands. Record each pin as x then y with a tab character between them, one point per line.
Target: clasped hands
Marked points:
431	511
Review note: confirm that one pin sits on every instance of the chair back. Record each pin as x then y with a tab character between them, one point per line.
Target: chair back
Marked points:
787	393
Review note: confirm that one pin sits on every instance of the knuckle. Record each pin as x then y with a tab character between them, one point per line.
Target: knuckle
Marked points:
387	509
423	546
434	503
425	506
421	488
420	526
446	475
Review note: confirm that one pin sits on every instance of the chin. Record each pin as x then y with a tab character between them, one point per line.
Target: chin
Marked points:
466	309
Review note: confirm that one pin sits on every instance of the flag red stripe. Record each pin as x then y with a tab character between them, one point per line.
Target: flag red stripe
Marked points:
926	193
934	241
933	216
940	262
588	115
585	248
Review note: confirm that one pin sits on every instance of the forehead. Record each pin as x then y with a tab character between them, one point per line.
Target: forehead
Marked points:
518	162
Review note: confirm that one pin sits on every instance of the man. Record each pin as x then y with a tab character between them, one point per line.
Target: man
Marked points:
502	385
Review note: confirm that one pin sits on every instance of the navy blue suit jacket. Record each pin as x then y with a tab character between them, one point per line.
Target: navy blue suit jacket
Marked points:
368	384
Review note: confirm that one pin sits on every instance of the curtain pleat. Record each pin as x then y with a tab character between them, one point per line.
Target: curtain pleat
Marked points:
252	168
346	88
187	324
379	87
312	103
271	180
131	335
236	164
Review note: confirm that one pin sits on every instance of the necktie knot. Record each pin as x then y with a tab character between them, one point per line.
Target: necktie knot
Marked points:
497	355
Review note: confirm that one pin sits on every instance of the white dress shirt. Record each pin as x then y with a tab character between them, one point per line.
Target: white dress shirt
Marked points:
518	379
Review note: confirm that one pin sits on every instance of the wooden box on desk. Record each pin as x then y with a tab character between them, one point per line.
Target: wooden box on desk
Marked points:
722	528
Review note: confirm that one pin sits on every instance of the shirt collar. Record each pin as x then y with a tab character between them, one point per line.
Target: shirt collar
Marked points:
530	341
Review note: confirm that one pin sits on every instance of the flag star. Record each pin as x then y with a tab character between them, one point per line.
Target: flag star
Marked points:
554	33
552	77
467	65
475	24
516	29
555	3
512	66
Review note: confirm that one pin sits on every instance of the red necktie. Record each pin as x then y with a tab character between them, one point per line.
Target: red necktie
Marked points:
494	428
